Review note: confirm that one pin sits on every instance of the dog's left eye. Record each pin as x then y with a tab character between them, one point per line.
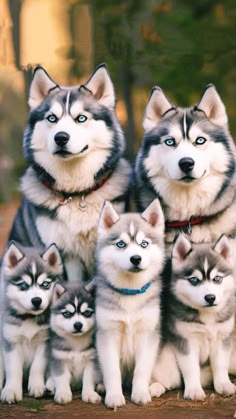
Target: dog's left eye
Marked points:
170	141
45	285
52	118
67	314
200	140
87	313
121	244
144	243
218	279
81	118
194	280
23	286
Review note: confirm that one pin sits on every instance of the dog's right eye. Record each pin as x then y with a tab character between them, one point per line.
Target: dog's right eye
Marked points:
121	244
67	314
23	286
194	280
52	118
170	141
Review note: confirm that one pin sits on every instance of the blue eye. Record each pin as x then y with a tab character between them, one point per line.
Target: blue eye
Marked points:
81	118
170	141
23	286
144	243
218	279
87	313
194	280
52	118
67	314
45	285
121	244
200	140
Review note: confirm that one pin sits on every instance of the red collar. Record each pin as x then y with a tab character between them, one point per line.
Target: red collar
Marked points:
191	222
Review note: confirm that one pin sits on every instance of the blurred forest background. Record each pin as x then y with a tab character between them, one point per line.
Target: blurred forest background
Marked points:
180	45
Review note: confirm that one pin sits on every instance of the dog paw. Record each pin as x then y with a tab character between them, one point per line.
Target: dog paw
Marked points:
156	389
194	393
225	388
114	400
63	397
141	397
36	389
11	394
91	397
50	386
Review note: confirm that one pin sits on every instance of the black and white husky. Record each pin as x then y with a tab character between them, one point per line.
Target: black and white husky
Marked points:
72	356
129	257
187	160
73	143
197	320
28	278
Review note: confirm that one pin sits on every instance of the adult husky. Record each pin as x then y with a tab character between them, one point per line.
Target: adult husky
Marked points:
73	143
187	159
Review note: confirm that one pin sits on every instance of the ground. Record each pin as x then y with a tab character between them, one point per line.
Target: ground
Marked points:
171	405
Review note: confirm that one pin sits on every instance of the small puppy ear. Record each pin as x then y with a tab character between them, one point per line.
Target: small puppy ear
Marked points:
90	287
101	86
181	249
108	216
12	256
40	87
53	258
153	214
157	106
222	246
212	105
58	291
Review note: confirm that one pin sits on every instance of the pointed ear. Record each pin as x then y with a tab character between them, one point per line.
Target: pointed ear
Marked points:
212	105
91	286
101	86
53	258
222	246
40	87
12	256
180	251
108	216
58	290
157	106
153	214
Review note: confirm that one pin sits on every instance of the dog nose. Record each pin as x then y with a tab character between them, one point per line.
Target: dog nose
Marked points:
61	138
78	326
210	298
36	301
135	260
186	164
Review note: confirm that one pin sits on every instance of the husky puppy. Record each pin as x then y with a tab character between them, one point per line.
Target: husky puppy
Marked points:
72	356
73	144
130	257
187	159
197	320
28	277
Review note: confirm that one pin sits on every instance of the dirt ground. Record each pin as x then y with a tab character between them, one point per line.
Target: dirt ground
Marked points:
170	406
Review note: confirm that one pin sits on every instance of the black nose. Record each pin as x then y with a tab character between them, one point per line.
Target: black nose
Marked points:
210	298
186	164
135	260
78	326
61	138
36	301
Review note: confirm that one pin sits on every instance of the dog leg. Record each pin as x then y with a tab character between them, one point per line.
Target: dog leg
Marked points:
63	393
13	363
89	395
220	359
36	385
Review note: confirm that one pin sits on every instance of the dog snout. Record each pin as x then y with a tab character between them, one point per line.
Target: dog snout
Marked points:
61	138
135	260
210	298
78	326
36	301
186	164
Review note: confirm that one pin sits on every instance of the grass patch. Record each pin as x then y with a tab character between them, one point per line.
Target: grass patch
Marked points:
32	404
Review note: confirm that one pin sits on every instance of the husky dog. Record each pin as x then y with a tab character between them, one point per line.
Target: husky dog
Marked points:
187	159
72	356
198	319
28	278
73	143
130	257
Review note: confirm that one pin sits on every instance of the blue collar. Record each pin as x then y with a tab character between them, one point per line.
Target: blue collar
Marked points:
130	291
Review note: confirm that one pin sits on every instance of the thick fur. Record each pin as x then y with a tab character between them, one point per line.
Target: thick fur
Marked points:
197	319
73	144
127	337
72	356
187	160
28	278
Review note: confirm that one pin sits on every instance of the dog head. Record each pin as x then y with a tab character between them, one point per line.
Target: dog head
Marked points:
202	275
29	277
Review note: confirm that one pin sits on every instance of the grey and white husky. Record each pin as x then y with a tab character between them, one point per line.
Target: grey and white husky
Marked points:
187	159
73	144
28	278
72	356
197	320
129	257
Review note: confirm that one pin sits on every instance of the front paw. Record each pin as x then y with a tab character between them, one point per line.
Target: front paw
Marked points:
141	396
36	389
63	397
194	393
11	394
225	388
50	385
156	389
91	397
114	400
